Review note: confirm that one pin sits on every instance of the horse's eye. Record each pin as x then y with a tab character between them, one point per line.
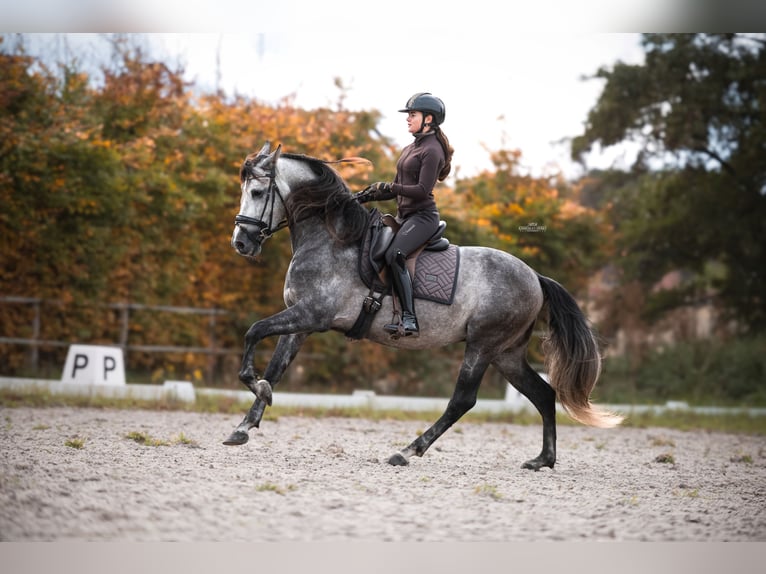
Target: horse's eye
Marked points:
256	192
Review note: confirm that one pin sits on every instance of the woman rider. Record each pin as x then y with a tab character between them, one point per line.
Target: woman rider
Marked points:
422	163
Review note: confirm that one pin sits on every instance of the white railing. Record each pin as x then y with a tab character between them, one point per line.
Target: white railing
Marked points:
514	402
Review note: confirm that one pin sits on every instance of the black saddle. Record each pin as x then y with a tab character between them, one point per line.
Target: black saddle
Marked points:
383	235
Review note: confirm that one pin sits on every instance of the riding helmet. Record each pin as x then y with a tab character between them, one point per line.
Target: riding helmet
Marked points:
428	104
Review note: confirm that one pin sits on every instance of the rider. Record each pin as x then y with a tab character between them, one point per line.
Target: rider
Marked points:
422	163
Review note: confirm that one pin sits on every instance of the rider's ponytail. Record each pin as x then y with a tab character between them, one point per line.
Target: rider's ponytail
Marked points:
448	151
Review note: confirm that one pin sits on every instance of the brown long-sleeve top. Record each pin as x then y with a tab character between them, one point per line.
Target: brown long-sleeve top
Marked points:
417	171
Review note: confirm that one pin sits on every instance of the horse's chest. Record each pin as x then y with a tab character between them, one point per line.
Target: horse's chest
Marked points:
305	282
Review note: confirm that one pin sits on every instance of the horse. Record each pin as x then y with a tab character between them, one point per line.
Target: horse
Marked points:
498	299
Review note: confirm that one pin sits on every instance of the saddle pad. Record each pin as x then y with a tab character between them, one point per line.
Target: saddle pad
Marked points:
436	275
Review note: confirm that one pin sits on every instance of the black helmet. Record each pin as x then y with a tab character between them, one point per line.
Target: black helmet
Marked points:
428	104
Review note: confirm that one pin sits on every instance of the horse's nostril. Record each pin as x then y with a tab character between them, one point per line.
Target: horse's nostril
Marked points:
239	246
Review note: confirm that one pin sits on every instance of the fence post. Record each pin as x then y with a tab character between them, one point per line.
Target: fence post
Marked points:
124	329
211	359
34	351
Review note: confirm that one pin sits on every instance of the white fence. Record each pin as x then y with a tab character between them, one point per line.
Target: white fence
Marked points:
185	391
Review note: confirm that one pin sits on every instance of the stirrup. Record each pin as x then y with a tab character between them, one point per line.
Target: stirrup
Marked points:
405	327
395	325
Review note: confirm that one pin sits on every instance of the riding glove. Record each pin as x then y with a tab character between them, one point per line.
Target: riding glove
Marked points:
373	191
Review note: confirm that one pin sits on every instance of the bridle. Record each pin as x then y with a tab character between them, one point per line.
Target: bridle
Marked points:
265	230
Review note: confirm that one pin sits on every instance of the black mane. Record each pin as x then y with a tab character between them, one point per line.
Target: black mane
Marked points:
329	198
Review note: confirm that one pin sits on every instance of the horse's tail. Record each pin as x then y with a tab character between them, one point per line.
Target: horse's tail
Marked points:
572	358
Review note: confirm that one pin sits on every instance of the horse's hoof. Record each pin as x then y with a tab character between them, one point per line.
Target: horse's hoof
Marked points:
237	438
262	390
398	460
537	463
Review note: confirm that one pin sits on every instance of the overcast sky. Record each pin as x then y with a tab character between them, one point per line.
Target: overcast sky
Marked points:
510	74
525	91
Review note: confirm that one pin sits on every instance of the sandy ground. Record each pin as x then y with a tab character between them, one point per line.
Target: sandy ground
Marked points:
304	479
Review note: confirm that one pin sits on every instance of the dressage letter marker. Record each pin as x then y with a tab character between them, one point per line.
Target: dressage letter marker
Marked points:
94	365
80	362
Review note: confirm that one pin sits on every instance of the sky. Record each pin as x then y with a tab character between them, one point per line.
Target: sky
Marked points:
524	92
511	74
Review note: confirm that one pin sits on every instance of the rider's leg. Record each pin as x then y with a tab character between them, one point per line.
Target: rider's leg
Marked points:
403	286
414	232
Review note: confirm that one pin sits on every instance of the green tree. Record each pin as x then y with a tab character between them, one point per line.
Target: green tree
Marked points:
696	198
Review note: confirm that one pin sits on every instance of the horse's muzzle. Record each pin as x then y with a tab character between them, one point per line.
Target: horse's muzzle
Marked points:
244	246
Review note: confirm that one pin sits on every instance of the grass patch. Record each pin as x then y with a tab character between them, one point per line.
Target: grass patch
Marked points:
691	493
687	421
733	423
488	490
76	442
181	438
666	458
145	439
271	487
742	458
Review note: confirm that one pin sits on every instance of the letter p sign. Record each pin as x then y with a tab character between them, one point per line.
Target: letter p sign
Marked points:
94	365
80	362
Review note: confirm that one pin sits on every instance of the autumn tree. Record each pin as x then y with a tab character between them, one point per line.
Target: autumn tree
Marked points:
540	220
125	190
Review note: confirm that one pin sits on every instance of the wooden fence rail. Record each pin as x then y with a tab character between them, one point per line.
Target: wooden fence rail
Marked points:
35	342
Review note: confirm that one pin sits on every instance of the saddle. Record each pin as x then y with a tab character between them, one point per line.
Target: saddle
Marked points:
433	268
381	237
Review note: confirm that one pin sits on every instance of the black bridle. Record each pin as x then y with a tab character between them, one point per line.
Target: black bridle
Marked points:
265	230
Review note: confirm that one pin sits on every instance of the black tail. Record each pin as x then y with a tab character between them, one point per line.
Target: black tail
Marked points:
572	358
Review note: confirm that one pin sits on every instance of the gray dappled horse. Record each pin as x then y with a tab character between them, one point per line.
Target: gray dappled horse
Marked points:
497	300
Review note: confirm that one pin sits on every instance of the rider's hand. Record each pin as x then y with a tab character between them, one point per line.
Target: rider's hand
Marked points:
380	187
373	192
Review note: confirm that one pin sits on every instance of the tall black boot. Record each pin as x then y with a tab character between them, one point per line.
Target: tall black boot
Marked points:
403	287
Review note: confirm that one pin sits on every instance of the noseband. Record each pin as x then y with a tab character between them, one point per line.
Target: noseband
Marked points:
265	230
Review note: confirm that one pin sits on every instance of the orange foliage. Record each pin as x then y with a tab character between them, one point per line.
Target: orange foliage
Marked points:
126	192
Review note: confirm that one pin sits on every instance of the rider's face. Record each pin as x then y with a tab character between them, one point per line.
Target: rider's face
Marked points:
414	121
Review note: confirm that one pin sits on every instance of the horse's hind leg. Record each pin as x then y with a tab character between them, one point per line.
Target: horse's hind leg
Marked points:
287	348
463	399
514	367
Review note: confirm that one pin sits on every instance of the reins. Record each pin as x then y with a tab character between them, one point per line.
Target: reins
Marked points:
353	159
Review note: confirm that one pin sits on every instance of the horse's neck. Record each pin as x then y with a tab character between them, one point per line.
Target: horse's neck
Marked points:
309	232
312	235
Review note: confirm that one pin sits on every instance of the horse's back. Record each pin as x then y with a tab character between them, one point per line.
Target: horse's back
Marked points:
497	297
495	275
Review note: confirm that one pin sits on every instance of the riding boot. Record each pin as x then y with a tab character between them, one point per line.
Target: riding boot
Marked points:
403	287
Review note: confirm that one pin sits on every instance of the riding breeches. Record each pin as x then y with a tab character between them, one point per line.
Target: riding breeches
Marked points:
414	232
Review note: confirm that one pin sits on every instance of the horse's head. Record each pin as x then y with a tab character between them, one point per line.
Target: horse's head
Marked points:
262	207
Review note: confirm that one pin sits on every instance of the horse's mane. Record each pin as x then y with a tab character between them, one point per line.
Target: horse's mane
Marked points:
329	198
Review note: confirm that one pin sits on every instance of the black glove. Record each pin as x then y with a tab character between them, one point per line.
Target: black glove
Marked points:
380	187
373	192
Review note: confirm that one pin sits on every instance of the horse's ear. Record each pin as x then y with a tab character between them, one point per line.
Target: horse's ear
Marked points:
265	150
276	154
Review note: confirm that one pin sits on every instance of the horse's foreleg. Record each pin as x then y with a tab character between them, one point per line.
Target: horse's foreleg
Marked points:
517	371
463	399
286	323
287	348
252	419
